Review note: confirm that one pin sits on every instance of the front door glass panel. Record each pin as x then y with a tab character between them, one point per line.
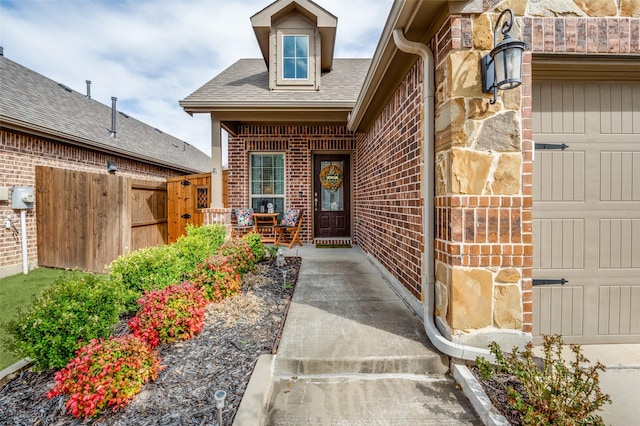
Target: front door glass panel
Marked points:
331	179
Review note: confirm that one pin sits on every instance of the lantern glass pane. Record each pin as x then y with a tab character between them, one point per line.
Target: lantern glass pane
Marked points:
500	67
514	65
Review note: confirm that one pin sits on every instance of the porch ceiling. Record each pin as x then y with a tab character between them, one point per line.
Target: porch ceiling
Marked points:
230	119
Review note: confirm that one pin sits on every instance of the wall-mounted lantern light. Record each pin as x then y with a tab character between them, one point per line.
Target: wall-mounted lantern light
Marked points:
111	167
502	67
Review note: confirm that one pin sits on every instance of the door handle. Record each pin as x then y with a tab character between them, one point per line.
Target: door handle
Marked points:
315	201
561	281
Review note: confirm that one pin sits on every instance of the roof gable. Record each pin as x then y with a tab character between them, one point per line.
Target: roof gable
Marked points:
276	12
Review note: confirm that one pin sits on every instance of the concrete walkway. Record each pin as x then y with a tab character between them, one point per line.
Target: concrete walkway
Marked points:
351	354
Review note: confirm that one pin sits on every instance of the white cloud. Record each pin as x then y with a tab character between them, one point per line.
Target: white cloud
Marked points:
153	53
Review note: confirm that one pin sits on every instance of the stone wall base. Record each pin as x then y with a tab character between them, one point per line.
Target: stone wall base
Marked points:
479	338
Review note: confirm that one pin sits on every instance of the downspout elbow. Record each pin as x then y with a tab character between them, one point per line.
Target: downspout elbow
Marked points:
423	51
444	345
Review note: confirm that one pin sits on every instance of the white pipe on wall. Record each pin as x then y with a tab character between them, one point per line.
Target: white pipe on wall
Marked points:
23	228
445	346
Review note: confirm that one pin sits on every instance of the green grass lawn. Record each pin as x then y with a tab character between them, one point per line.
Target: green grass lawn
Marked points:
17	291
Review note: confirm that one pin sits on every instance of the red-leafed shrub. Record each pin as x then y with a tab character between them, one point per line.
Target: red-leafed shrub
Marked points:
239	254
105	373
173	313
219	278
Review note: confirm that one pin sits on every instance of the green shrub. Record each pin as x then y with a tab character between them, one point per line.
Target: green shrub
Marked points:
218	278
174	313
105	373
239	255
199	243
554	394
146	269
157	267
258	249
73	310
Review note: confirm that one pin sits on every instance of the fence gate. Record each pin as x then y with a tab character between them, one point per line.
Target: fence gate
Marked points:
187	196
85	220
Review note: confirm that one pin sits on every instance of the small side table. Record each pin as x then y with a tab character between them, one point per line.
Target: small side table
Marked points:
267	222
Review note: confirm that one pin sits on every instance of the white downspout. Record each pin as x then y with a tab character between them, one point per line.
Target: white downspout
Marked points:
445	346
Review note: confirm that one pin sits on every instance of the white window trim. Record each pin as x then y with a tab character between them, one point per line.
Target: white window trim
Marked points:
301	83
282	57
284	195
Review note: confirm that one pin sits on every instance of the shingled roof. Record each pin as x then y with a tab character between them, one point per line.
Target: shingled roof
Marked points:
36	104
246	84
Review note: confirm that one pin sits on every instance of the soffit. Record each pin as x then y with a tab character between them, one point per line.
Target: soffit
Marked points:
230	120
419	20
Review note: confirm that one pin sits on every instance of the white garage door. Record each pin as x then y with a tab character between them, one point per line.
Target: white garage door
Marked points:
586	214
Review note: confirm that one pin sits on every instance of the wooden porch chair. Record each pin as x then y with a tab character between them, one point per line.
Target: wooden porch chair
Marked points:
241	220
288	228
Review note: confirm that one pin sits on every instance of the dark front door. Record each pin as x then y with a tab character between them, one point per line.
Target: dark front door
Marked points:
332	196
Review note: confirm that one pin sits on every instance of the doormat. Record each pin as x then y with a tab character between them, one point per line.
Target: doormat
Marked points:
333	245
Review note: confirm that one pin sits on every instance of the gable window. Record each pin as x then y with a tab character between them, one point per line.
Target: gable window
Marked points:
295	57
267	182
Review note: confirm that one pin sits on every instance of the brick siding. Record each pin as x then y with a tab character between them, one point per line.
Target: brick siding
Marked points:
298	144
614	35
388	185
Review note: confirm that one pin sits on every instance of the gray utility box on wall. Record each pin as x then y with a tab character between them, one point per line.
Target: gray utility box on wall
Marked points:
22	197
4	194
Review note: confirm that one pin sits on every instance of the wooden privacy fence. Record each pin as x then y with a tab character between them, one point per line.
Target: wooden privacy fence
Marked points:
86	220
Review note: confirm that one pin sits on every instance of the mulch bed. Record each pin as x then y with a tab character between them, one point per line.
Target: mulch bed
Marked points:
494	388
237	331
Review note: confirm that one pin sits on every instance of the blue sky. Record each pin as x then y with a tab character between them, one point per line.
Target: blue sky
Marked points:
152	53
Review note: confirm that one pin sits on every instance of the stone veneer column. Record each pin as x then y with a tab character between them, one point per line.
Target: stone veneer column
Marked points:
484	155
483	198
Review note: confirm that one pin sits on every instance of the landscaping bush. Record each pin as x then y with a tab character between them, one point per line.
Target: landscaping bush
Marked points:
73	310
198	243
239	255
258	249
110	372
218	278
105	373
554	393
173	313
157	267
147	269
